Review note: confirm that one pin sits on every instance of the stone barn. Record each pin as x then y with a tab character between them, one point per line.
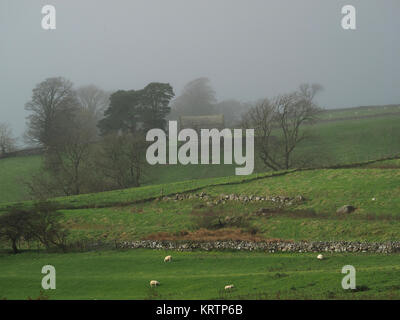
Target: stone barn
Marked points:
202	122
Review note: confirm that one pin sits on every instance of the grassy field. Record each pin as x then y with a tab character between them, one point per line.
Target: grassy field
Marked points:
337	142
199	275
350	141
126	274
359	112
131	214
328	189
13	171
314	219
343	141
136	213
144	213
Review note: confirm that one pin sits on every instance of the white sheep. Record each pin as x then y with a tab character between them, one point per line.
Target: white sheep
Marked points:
320	257
168	259
154	283
229	287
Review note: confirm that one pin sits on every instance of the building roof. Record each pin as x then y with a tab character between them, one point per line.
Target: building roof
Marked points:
202	122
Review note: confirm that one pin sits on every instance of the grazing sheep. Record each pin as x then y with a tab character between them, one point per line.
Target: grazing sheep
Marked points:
229	287
320	257
154	283
168	259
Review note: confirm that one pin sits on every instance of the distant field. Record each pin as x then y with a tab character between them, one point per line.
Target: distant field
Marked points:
326	190
338	142
389	164
354	140
199	275
13	171
359	112
344	141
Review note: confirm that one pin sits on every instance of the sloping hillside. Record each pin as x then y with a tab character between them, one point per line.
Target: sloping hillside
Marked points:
338	142
291	205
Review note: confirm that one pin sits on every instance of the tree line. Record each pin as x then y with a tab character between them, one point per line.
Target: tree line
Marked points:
93	141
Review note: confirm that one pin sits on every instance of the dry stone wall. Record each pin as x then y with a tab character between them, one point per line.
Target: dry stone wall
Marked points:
267	246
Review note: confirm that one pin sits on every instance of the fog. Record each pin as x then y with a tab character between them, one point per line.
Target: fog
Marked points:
248	49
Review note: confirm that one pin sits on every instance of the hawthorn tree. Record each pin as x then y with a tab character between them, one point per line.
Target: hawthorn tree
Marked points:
279	122
14	227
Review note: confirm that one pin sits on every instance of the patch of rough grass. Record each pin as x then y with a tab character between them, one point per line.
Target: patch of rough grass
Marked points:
207	235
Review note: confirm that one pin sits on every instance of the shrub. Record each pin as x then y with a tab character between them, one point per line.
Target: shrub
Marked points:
209	219
44	226
14	227
41	224
212	220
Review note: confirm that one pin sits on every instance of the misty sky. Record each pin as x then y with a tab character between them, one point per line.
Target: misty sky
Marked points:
249	49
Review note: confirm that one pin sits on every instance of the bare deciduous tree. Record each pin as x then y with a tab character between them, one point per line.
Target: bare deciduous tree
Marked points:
70	158
52	106
93	99
284	116
67	166
232	111
41	223
7	141
262	118
197	98
13	227
121	160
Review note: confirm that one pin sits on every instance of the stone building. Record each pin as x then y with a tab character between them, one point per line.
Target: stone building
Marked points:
201	122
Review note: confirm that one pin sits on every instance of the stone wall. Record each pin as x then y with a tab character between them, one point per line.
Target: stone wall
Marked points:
272	246
23	153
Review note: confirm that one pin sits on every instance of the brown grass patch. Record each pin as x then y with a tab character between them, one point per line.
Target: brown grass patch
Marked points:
85	226
206	235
